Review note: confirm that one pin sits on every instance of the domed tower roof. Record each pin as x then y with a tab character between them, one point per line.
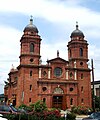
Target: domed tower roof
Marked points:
31	27
77	32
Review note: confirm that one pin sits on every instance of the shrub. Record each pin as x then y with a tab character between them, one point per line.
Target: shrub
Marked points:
71	116
39	106
25	107
81	110
39	111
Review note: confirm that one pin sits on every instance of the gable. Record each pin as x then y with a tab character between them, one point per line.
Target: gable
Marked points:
57	60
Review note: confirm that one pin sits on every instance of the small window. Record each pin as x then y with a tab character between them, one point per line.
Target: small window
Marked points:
31	87
44	88
81	52
31	47
30	73
71	89
44	99
29	99
81	63
71	75
31	60
44	73
82	89
70	53
82	76
82	100
71	101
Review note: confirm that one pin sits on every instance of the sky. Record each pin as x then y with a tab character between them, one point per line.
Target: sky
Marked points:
55	20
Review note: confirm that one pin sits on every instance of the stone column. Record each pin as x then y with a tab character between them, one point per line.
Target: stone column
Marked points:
67	74
75	74
49	73
39	72
75	64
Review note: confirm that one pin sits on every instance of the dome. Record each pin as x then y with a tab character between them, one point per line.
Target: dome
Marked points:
77	33
31	27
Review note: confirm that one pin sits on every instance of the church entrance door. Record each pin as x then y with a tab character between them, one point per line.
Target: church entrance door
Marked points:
57	101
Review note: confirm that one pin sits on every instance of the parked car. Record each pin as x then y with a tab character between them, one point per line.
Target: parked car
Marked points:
9	109
93	116
1	117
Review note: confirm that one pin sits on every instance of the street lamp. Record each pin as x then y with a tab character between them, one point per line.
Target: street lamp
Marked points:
65	116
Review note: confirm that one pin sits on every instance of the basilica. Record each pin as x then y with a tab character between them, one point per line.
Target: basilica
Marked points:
59	83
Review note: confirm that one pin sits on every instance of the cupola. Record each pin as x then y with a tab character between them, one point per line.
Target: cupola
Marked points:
77	32
31	27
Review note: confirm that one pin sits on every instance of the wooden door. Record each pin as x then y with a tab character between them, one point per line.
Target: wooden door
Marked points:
57	102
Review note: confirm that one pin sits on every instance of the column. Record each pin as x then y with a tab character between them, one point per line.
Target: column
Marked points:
67	74
49	74
39	72
75	74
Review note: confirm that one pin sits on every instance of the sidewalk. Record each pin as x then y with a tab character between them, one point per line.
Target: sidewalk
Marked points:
81	116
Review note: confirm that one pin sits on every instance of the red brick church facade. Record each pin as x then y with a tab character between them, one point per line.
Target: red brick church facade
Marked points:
59	83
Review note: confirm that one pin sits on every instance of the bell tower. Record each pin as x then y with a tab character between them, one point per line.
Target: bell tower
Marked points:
30	45
78	67
78	49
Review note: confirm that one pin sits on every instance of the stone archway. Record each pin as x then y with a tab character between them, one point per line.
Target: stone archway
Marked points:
58	90
57	100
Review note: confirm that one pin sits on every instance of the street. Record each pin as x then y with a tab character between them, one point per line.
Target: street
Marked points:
78	118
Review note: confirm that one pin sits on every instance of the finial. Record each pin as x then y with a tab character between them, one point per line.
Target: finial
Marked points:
31	20
12	66
76	25
31	17
57	53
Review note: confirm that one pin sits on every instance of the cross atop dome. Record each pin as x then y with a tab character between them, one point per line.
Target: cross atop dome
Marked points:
76	25
31	20
57	53
31	27
77	32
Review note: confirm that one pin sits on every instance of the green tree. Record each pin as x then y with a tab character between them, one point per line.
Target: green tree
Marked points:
97	102
39	106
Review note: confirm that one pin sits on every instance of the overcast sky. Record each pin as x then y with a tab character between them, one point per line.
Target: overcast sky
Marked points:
55	20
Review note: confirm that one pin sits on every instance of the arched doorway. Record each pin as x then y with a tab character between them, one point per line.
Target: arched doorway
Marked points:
57	100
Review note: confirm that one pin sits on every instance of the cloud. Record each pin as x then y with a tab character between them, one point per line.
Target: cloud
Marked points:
9	49
51	10
62	13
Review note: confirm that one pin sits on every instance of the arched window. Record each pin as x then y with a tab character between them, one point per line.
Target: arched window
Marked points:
71	75
58	90
82	89
82	76
30	87
81	52
31	73
44	99
44	73
82	100
31	47
71	101
29	99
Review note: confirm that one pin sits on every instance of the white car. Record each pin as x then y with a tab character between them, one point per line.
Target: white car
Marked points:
1	118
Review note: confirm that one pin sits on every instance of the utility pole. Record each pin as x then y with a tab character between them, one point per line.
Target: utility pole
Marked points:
93	85
99	97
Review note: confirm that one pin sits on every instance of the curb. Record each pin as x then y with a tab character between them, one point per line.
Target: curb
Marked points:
81	116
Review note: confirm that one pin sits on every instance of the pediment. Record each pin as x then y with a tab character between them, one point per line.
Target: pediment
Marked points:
57	60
